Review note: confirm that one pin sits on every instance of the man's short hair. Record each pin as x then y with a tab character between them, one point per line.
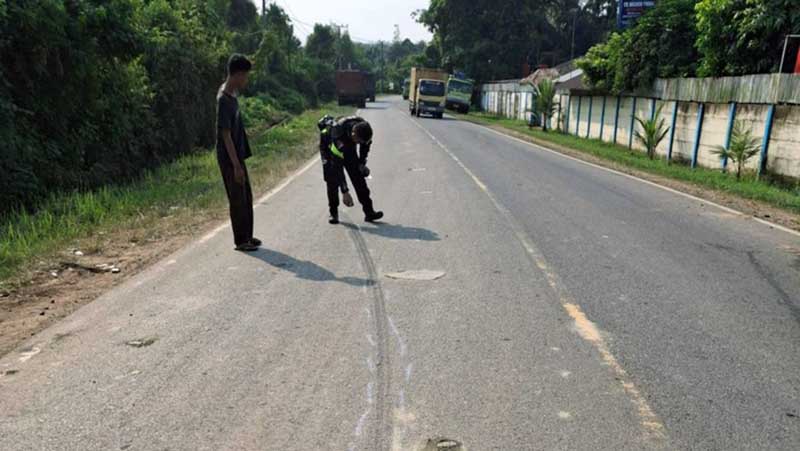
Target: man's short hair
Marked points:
238	63
363	130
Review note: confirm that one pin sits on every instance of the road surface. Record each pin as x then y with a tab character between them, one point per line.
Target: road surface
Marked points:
577	309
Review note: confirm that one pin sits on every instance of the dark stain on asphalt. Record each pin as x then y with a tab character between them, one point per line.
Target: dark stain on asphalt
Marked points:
784	297
142	342
443	444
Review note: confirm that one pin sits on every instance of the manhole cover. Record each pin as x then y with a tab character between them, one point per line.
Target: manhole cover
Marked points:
420	274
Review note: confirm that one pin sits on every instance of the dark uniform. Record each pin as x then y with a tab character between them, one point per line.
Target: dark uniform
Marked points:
339	154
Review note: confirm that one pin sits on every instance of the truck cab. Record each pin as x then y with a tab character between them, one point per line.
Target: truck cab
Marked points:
459	94
431	97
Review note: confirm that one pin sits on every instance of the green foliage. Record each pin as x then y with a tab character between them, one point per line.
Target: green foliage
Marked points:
545	106
100	91
493	40
685	38
659	45
186	186
738	37
653	132
743	147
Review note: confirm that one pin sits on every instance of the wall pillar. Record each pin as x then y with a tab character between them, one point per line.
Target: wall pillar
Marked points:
616	120
672	130
762	163
698	132
633	124
602	117
729	132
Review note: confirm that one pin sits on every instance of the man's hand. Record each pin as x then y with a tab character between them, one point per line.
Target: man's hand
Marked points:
347	199
238	174
364	170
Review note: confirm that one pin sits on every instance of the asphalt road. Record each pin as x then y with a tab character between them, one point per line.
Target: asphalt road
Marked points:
579	309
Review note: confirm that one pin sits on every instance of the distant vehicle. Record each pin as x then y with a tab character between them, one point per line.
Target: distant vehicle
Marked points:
405	89
459	94
370	80
427	89
351	88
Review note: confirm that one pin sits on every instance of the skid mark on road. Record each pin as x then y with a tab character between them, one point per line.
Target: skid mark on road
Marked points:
382	373
652	426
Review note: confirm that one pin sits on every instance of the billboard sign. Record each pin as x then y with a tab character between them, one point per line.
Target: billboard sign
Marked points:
630	10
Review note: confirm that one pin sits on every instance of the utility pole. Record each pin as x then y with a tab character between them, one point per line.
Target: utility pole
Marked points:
574	24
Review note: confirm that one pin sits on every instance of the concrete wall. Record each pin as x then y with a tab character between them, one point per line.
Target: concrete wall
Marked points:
507	103
783	156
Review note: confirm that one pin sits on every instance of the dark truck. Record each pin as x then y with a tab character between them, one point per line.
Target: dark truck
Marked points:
370	86
351	88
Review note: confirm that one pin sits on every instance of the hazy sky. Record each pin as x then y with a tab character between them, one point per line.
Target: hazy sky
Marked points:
368	20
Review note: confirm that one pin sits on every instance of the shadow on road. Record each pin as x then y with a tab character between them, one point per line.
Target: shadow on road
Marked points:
304	269
396	231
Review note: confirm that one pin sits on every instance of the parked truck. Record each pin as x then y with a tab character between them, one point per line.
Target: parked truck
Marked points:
427	89
370	80
351	88
459	94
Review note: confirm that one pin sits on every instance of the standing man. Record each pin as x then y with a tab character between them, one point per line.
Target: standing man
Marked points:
232	151
344	144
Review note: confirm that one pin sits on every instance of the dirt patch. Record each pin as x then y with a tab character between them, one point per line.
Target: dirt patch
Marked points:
749	207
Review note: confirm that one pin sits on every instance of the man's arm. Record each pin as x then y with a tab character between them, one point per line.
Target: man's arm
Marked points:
238	172
363	152
330	164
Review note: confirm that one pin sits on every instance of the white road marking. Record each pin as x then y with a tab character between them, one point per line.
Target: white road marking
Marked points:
650	422
27	355
639	179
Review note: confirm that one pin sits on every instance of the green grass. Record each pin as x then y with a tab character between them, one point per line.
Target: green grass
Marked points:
782	194
190	186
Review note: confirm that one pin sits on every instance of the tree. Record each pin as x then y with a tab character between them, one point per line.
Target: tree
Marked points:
738	37
743	146
321	43
545	94
653	132
659	45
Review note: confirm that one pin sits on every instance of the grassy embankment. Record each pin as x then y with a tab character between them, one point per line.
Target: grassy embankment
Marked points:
781	194
183	193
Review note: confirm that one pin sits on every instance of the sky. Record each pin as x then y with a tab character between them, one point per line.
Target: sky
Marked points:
368	20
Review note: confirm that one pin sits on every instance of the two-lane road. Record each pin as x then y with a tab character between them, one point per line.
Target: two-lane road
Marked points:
579	309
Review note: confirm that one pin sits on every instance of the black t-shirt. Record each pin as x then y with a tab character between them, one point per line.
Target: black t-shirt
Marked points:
229	117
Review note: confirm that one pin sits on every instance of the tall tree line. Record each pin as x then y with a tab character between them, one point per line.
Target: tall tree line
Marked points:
488	39
96	91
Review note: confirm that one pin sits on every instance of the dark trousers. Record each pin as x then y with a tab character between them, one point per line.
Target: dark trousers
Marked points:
359	186
240	199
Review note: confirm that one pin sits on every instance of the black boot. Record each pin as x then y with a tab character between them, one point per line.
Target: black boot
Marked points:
374	216
334	219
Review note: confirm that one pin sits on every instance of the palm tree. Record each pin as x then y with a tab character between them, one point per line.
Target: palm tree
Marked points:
653	132
545	93
743	146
